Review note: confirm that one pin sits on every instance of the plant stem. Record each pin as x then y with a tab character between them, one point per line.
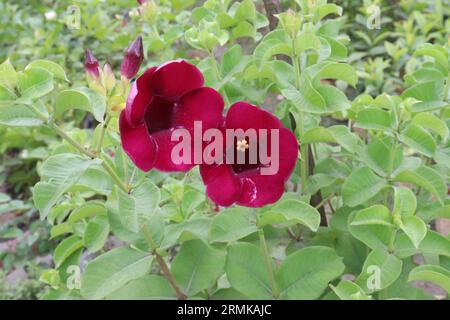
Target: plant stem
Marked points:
102	133
114	175
219	78
75	144
268	263
324	201
80	148
165	269
304	148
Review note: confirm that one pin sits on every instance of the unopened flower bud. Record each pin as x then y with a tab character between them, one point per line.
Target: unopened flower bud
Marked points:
133	59
109	80
291	21
91	64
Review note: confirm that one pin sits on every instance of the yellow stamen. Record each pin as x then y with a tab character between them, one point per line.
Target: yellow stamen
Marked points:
242	145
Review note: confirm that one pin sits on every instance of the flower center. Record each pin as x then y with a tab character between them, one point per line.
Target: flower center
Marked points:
242	145
159	115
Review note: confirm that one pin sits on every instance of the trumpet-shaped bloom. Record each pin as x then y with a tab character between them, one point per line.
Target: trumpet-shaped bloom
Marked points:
161	100
246	183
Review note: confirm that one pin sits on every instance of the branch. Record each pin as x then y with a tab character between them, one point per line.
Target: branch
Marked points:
272	8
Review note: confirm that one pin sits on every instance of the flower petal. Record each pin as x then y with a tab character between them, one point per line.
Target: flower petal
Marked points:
137	144
175	78
288	151
222	186
243	115
164	146
139	98
204	104
259	190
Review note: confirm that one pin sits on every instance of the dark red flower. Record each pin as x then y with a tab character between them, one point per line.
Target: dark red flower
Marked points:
141	1
161	100
245	184
133	59
91	65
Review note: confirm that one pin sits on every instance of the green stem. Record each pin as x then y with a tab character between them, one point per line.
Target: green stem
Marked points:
321	203
102	133
114	175
268	263
75	144
219	78
303	149
165	269
80	148
391	246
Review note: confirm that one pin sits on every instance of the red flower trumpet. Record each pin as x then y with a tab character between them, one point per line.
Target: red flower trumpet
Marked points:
267	159
163	99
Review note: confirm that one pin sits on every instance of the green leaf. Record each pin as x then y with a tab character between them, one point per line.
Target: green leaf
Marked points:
96	233
374	119
440	56
382	156
431	122
244	29
88	210
324	10
60	229
65	248
293	212
425	177
82	99
7	97
55	69
377	214
337	134
35	82
307	41
380	270
405	202
112	270
275	42
435	274
414	228
246	11
347	139
429	106
19	116
197	228
148	287
360	186
307	99
246	272
347	290
306	273
231	60
424	91
138	206
419	139
8	76
197	266
335	71
59	173
433	243
232	224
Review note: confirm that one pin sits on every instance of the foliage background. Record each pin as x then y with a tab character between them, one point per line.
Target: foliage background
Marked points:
385	61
